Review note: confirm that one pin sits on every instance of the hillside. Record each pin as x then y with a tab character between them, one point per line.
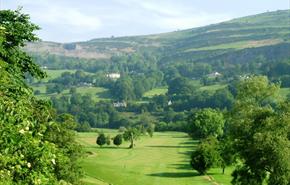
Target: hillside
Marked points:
260	33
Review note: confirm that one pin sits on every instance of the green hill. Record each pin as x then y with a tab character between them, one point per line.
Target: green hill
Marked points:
259	33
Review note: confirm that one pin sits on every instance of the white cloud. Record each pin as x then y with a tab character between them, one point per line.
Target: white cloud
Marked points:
169	15
196	20
71	20
70	17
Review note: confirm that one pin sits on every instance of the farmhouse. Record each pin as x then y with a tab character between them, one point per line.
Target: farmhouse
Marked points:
120	104
214	75
114	75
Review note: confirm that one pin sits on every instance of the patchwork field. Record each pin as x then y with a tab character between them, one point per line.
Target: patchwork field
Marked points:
161	160
97	93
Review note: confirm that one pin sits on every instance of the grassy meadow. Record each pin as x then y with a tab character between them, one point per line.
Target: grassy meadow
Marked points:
156	92
160	160
97	93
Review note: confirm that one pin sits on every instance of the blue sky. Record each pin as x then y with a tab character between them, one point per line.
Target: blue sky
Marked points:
78	20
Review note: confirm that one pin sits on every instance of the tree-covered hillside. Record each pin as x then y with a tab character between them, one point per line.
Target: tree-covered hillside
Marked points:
106	82
257	31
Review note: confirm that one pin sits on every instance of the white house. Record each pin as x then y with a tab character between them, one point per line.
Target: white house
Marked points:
213	75
120	104
114	75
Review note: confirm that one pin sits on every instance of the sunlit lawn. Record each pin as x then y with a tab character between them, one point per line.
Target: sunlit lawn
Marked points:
163	159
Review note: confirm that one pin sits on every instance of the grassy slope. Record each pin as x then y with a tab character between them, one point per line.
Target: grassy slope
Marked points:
163	159
155	92
285	92
97	93
269	28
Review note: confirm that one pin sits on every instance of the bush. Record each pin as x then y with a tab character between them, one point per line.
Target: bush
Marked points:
108	140
101	139
118	139
205	156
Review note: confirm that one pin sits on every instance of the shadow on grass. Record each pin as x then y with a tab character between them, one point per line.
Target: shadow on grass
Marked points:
188	153
194	142
169	146
174	174
180	136
104	94
185	166
106	147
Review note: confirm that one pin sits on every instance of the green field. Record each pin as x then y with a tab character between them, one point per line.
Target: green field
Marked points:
156	92
161	160
284	92
97	93
212	88
53	73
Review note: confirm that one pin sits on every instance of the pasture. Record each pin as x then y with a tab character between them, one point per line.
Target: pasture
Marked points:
155	92
160	160
97	93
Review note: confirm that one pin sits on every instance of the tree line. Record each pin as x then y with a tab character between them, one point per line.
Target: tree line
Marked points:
253	135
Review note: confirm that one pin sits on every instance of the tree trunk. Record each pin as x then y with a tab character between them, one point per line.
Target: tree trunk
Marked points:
132	141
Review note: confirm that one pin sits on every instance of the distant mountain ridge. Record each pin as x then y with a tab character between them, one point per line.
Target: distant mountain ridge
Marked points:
270	31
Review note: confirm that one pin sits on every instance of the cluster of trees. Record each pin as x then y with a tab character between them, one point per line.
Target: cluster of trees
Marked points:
279	72
134	86
129	134
255	134
37	145
77	78
87	112
101	114
102	140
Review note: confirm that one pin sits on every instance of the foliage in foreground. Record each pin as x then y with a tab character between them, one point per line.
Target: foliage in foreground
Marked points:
34	147
260	129
206	155
206	122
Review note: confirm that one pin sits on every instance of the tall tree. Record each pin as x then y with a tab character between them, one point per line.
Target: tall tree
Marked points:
131	134
118	139
36	147
101	139
206	155
260	129
206	122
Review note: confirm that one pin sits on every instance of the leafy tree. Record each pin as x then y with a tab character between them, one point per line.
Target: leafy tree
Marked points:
180	86
260	130
108	140
101	139
54	88
37	92
123	89
131	134
118	139
150	129
206	122
37	146
206	155
83	127
227	153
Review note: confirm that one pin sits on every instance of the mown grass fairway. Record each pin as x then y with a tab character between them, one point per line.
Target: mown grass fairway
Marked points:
161	160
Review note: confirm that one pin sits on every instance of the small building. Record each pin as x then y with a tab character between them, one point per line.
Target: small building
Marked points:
214	75
113	75
120	104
